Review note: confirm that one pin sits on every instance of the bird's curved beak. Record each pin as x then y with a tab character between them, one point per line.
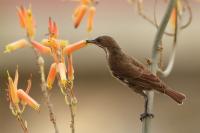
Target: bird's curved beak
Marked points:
91	41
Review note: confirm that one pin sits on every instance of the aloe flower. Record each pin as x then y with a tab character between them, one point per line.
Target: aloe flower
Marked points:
19	97
27	20
80	11
15	45
176	13
55	47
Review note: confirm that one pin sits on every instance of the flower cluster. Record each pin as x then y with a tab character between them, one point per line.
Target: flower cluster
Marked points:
52	46
27	20
18	97
80	11
58	49
28	23
61	68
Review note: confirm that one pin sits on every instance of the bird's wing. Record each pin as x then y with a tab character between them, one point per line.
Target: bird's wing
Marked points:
136	62
141	74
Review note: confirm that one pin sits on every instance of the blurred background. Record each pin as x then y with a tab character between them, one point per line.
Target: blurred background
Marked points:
104	104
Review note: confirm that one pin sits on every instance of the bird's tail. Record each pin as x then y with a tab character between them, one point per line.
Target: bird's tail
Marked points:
177	96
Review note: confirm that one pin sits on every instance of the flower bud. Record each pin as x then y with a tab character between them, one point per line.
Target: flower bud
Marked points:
15	45
70	69
78	18
51	76
30	24
24	97
21	12
12	90
90	22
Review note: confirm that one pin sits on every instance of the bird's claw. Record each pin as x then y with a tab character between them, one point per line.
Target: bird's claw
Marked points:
146	115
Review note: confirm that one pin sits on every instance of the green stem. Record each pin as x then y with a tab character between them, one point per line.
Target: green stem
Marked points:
146	127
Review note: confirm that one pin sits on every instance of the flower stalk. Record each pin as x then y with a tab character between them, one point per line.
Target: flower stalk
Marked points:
40	62
146	123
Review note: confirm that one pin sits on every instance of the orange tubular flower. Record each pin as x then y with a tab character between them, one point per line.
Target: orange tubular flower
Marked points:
80	14
71	48
76	12
90	22
80	11
173	18
12	90
51	76
41	48
15	45
19	96
30	26
22	16
62	72
53	29
26	20
85	2
70	69
24	97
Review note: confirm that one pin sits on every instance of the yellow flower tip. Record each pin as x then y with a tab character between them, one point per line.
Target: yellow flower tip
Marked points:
49	85
37	108
63	43
63	82
6	51
15	45
46	42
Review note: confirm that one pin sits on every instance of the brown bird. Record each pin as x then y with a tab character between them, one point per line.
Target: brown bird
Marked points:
133	73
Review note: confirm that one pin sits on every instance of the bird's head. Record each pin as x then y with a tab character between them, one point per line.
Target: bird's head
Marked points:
105	42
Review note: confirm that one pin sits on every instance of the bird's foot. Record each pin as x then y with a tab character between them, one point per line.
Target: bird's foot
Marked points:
146	115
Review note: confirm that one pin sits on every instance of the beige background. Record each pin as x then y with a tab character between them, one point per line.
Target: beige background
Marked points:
104	104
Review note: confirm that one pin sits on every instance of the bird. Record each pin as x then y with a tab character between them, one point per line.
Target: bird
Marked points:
133	73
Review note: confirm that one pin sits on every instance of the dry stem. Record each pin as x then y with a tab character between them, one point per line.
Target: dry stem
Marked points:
22	123
40	62
70	101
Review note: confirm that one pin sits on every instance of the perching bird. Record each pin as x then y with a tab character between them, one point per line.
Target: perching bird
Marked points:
133	73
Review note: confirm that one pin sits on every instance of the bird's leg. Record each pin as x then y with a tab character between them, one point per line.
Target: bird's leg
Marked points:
145	114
